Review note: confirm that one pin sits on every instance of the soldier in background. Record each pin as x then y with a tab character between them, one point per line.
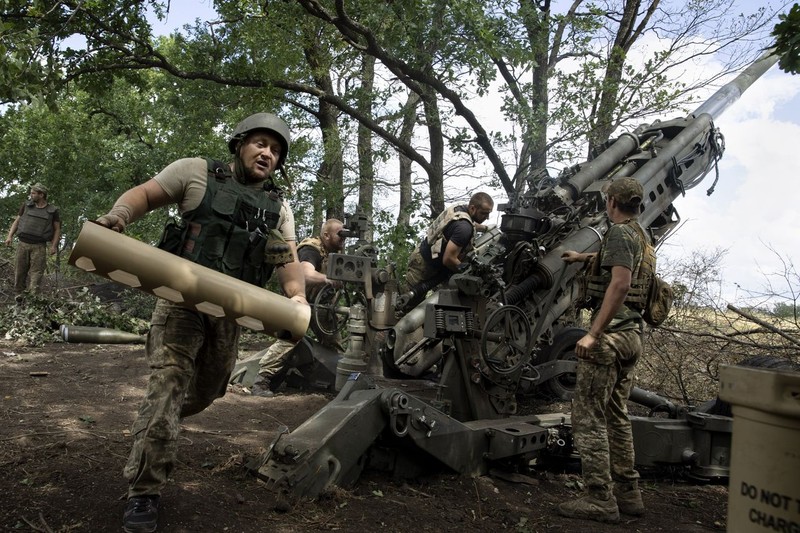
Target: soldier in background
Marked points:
313	255
440	254
607	356
37	225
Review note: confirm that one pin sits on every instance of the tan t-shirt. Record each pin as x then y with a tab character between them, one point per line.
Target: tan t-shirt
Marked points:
184	181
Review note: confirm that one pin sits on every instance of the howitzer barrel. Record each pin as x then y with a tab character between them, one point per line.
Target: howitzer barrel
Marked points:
552	267
694	133
112	255
602	164
653	401
98	335
655	173
731	91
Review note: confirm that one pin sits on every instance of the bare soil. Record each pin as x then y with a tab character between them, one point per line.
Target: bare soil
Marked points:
65	415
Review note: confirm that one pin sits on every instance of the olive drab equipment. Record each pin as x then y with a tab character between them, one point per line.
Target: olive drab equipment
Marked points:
232	230
435	235
649	294
659	302
659	296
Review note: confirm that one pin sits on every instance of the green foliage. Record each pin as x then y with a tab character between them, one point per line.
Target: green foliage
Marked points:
785	310
136	304
36	319
89	148
395	242
104	104
787	40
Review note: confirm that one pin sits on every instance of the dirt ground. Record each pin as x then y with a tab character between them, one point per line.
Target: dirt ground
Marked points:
64	436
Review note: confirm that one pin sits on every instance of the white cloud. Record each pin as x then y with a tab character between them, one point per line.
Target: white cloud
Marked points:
756	201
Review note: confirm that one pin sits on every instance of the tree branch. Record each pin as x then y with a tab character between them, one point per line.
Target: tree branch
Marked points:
764	324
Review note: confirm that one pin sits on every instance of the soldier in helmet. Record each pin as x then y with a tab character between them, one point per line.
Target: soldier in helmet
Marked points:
38	227
607	356
235	221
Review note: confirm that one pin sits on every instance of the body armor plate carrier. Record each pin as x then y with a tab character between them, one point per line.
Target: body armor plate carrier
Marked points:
229	230
36	223
595	284
435	235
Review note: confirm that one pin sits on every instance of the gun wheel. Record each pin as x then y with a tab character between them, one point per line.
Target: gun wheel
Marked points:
563	387
330	310
505	339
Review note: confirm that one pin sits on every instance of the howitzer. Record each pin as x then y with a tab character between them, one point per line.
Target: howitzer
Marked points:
502	327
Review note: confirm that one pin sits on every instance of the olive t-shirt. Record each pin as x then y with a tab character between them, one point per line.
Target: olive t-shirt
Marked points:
621	247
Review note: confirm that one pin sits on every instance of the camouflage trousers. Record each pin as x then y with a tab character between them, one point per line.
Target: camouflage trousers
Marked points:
420	271
276	359
31	261
191	357
600	420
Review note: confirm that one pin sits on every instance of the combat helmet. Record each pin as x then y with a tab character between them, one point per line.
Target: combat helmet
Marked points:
262	121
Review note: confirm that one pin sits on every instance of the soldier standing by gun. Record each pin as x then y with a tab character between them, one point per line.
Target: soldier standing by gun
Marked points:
607	355
441	252
37	224
313	255
235	222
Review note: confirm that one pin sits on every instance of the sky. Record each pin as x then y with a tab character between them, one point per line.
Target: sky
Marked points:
754	209
755	204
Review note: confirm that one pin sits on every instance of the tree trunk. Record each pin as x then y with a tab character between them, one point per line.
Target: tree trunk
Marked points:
366	168
627	34
329	195
406	132
538	27
436	140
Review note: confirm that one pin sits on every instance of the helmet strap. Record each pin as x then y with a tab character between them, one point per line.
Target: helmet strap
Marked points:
238	168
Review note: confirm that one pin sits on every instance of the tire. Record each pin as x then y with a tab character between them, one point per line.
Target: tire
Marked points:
563	348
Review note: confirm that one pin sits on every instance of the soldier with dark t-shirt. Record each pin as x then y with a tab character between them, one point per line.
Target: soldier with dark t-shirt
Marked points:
445	246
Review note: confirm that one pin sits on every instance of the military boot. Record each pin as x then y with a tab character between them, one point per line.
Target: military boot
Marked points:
591	508
262	389
141	514
629	498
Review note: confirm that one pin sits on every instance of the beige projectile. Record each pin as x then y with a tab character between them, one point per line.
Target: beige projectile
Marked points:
120	258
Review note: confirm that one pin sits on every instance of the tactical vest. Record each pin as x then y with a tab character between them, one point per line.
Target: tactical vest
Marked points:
641	277
316	243
228	231
36	223
435	236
